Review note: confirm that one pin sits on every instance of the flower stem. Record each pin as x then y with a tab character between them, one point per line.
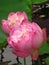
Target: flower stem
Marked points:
24	61
18	60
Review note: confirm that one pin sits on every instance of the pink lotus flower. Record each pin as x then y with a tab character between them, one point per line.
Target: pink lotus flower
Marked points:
13	18
27	39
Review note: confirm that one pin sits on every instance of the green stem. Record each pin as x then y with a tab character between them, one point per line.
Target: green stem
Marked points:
24	61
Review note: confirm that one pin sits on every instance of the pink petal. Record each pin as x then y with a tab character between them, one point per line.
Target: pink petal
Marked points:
12	44
22	14
25	15
21	54
44	34
37	36
37	27
19	45
10	15
9	42
5	26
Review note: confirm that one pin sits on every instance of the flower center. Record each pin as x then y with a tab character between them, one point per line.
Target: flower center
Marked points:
18	19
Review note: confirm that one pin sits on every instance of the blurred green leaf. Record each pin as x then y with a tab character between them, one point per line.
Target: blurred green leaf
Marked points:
7	6
28	3
2	38
44	48
38	1
47	61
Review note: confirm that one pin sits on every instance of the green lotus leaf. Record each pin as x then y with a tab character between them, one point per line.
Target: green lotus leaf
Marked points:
47	61
38	1
3	36
44	48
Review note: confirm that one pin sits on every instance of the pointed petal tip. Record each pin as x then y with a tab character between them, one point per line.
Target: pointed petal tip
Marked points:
44	34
